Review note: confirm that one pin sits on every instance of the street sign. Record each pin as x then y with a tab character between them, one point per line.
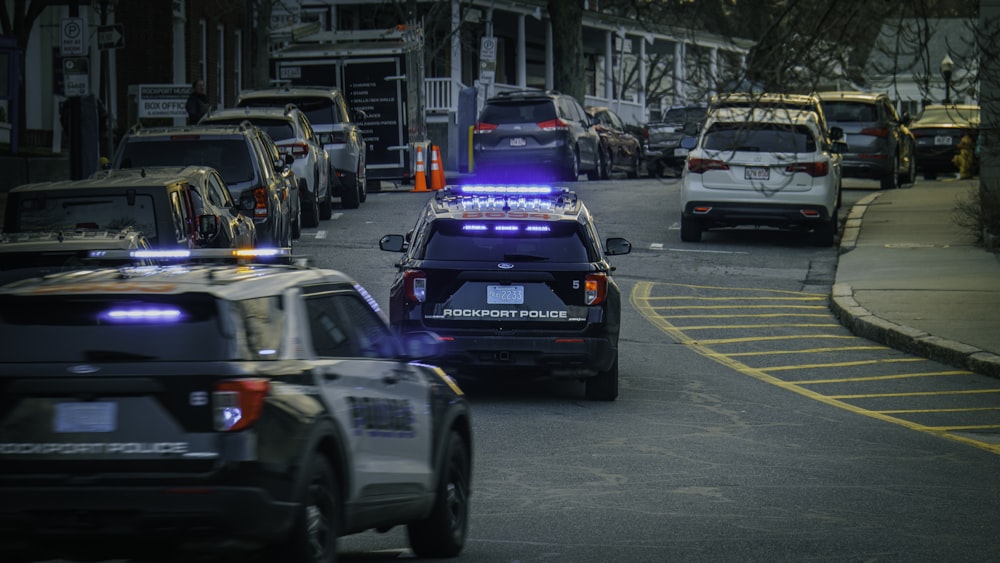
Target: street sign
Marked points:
76	76
110	37
73	37
487	60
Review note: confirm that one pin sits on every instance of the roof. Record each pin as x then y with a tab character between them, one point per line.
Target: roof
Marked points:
273	112
118	179
191	130
71	240
290	91
850	96
764	115
466	202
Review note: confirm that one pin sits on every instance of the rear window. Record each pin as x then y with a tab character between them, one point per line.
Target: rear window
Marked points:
230	157
519	112
132	327
506	241
320	111
684	115
848	112
277	129
759	137
86	211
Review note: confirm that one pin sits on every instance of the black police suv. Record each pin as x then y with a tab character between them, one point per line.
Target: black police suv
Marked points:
515	280
208	407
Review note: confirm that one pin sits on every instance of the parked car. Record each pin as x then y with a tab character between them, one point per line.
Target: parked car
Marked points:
938	130
339	133
534	135
179	207
788	102
244	412
245	156
662	139
292	133
754	166
40	253
879	145
621	151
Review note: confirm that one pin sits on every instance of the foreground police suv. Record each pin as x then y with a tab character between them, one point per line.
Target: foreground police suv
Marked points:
516	282
201	406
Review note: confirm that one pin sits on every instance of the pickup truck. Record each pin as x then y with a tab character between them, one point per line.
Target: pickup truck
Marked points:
662	139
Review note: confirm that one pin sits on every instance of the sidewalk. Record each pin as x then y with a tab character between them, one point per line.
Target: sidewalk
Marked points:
912	279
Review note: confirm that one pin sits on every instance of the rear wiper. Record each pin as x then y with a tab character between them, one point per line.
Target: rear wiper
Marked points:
523	258
114	356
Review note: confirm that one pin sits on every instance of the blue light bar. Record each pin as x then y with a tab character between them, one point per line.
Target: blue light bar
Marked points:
481	189
506	228
475	227
142	315
538	228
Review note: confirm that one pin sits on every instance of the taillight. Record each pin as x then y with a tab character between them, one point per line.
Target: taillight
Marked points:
553	125
299	150
814	169
238	403
485	127
595	289
876	132
415	286
260	203
701	165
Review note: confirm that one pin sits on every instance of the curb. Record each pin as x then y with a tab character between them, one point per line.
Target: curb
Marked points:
863	323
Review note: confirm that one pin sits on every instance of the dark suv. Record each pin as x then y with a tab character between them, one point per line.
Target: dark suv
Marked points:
187	207
245	156
516	281
535	134
879	145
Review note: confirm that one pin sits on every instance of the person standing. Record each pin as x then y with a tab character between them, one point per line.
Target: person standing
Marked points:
197	102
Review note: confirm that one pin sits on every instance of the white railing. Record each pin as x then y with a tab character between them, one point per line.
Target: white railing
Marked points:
437	95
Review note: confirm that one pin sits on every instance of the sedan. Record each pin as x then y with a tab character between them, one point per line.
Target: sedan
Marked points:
620	150
939	130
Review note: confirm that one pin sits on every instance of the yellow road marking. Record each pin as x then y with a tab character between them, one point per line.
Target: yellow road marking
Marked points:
879	377
842	364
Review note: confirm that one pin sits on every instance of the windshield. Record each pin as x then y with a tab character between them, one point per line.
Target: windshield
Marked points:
87	211
506	241
230	157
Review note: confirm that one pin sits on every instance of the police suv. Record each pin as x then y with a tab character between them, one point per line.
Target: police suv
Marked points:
515	281
267	407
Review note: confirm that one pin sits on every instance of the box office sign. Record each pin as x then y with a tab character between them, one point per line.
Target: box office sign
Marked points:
162	100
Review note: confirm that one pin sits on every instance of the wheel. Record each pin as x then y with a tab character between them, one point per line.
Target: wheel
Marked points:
911	171
326	207
690	230
362	184
604	385
310	208
351	197
654	170
606	164
313	538
297	219
633	172
600	167
573	172
442	534
891	180
824	233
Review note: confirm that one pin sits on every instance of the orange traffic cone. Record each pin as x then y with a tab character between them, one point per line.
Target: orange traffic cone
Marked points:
437	169
420	182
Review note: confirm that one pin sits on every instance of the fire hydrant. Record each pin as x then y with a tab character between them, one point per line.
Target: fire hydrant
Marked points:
964	159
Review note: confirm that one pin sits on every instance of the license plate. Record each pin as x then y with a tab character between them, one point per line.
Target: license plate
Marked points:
518	142
757	173
942	140
86	417
680	152
505	294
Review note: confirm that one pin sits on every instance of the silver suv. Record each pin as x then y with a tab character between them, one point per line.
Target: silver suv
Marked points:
340	136
293	134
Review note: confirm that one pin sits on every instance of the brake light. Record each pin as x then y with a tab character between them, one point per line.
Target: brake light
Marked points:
553	125
415	286
238	403
260	203
299	150
876	132
485	127
701	165
814	169
595	289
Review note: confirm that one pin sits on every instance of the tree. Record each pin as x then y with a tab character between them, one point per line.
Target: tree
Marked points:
566	17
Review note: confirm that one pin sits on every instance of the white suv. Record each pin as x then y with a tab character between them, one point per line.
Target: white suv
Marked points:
293	134
762	167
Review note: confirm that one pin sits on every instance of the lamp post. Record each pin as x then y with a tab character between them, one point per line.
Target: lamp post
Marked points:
947	65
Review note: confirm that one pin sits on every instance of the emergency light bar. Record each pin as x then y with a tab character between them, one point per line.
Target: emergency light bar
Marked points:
485	189
181	254
473	197
505	228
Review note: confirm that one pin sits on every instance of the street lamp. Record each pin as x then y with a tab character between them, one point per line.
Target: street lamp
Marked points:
947	65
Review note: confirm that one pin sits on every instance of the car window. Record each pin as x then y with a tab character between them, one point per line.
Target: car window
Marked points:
95	210
261	321
519	112
179	214
341	325
218	193
475	242
317	109
848	112
228	156
278	129
759	137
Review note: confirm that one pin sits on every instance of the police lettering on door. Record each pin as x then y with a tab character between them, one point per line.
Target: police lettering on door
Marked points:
385	418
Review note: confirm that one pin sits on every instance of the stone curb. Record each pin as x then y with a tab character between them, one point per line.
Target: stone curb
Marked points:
863	323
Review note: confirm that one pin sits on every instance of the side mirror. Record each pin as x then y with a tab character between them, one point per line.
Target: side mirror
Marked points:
360	115
208	226
836	133
616	246
392	243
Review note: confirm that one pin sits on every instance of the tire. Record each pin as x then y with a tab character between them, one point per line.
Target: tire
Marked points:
654	170
313	538
633	173
362	184
891	180
911	172
297	220
326	207
572	173
442	533
604	385
351	198
825	232
690	230
600	167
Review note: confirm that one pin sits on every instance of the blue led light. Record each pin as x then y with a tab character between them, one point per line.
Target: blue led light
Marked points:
506	228
474	227
161	254
142	315
538	228
476	189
